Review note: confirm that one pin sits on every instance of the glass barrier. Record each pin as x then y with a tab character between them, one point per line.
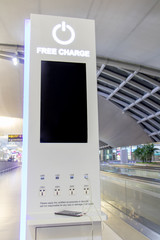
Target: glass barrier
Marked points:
135	198
131	171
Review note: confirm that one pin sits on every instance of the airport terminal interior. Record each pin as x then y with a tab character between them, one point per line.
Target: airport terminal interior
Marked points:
128	99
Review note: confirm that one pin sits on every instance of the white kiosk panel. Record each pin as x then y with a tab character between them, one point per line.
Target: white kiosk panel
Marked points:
61	142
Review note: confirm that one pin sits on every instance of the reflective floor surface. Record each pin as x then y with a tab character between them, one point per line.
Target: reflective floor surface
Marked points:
10	188
119	227
10	197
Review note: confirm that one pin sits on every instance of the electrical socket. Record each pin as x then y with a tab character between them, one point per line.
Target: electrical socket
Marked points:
57	191
86	189
42	191
71	190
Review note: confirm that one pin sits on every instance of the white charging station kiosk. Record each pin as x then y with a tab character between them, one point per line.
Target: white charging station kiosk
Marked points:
60	152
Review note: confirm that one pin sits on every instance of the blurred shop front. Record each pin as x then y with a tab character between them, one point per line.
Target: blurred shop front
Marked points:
124	155
11	140
10	152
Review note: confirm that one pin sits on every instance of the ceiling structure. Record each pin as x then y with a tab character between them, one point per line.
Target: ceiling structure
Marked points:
135	90
128	61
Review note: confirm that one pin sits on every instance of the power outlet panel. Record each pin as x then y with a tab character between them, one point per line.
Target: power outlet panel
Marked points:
60	188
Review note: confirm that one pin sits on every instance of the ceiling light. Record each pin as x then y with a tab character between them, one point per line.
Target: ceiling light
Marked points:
15	61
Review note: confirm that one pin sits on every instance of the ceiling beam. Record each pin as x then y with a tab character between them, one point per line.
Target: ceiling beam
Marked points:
134	116
156	95
113	75
103	94
100	70
147	131
132	92
108	81
149	117
125	97
156	139
154	123
118	101
6	45
130	66
152	103
148	79
105	89
140	86
21	60
153	129
154	133
140	113
142	98
122	84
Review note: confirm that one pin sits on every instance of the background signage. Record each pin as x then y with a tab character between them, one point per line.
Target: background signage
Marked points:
15	138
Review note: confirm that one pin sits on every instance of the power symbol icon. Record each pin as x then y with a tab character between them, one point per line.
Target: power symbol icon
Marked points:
63	27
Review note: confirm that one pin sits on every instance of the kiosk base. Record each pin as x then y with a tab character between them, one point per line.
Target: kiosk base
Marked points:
86	227
72	232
